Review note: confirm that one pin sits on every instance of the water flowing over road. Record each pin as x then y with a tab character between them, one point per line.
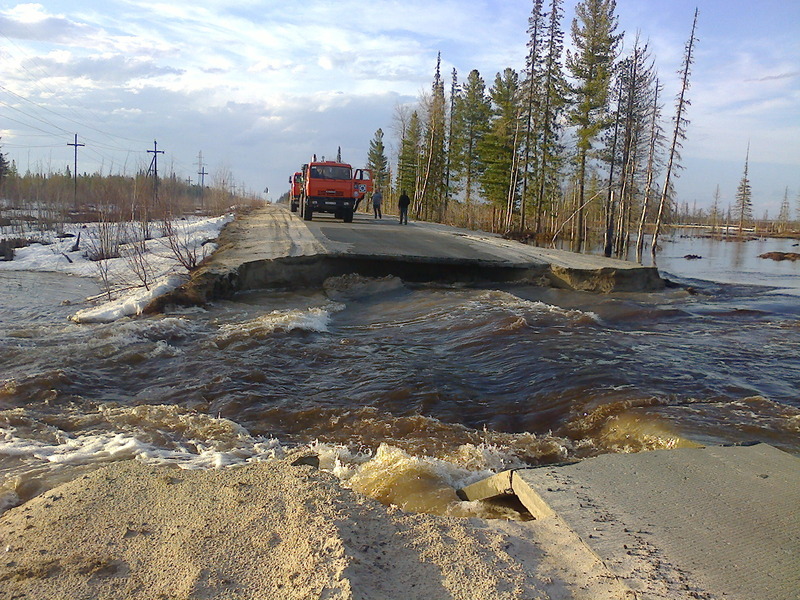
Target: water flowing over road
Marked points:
439	382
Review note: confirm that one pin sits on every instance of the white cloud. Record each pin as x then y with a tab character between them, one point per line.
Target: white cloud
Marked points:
263	84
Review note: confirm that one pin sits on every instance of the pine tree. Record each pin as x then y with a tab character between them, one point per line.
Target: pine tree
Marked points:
470	123
743	201
339	154
591	65
377	161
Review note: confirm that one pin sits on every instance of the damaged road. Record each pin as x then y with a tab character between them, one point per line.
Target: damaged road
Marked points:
271	247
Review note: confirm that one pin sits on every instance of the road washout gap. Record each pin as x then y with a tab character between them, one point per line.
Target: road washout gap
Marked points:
271	248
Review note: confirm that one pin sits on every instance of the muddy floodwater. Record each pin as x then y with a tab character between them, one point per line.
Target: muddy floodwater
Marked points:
424	386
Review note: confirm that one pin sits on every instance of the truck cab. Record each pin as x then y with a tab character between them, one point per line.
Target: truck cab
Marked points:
295	190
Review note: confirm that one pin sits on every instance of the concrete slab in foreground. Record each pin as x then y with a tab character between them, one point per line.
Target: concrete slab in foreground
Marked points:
717	522
271	247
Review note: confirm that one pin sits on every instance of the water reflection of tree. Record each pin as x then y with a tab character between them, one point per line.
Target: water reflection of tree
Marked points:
738	254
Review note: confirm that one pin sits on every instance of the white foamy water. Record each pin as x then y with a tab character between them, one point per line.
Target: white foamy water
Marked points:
309	319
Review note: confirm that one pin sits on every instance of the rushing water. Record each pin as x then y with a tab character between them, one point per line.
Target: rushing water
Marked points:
405	390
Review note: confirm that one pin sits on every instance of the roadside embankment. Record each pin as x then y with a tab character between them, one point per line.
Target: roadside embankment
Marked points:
272	248
274	530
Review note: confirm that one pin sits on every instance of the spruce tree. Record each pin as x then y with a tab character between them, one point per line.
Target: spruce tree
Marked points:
377	161
409	158
5	168
743	202
499	147
430	193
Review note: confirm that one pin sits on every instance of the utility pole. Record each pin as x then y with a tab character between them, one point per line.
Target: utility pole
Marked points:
154	165
202	174
75	172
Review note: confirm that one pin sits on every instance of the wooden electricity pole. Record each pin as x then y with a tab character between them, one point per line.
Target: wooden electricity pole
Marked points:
155	152
75	172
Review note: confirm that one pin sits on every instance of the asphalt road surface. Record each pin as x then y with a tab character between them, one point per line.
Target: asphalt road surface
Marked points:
376	237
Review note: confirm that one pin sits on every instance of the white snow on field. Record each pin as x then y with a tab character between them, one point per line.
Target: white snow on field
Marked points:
155	260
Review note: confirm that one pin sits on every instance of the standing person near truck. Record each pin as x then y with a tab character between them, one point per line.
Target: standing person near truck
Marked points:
377	200
403	203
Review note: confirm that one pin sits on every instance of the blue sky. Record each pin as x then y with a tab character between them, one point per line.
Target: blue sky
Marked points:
258	86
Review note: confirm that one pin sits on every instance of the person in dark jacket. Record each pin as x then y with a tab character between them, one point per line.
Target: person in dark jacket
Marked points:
377	200
403	203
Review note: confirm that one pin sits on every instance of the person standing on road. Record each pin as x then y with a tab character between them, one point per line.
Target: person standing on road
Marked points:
377	200
403	203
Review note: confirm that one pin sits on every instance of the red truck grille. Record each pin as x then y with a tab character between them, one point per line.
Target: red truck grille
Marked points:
332	193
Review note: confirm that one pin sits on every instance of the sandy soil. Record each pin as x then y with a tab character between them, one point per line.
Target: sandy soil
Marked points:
274	530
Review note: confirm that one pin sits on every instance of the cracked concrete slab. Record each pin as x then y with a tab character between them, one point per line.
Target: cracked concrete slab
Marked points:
716	522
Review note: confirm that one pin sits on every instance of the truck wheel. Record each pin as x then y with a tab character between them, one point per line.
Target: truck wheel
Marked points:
294	206
307	214
348	215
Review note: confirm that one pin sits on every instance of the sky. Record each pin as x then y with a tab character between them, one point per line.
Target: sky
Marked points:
258	86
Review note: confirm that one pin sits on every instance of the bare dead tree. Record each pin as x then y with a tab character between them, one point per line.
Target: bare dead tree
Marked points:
135	253
187	251
678	135
655	135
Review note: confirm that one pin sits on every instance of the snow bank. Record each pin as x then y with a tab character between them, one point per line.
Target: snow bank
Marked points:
158	264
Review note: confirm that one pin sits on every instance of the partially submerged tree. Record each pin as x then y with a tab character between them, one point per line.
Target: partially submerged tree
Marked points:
783	215
591	65
744	196
678	135
630	148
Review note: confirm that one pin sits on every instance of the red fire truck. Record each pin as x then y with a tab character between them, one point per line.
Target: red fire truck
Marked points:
295	190
332	187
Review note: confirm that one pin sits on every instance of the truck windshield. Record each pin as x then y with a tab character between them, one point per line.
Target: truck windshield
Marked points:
326	172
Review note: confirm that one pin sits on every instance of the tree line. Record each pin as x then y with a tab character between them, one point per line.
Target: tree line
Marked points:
570	145
47	201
